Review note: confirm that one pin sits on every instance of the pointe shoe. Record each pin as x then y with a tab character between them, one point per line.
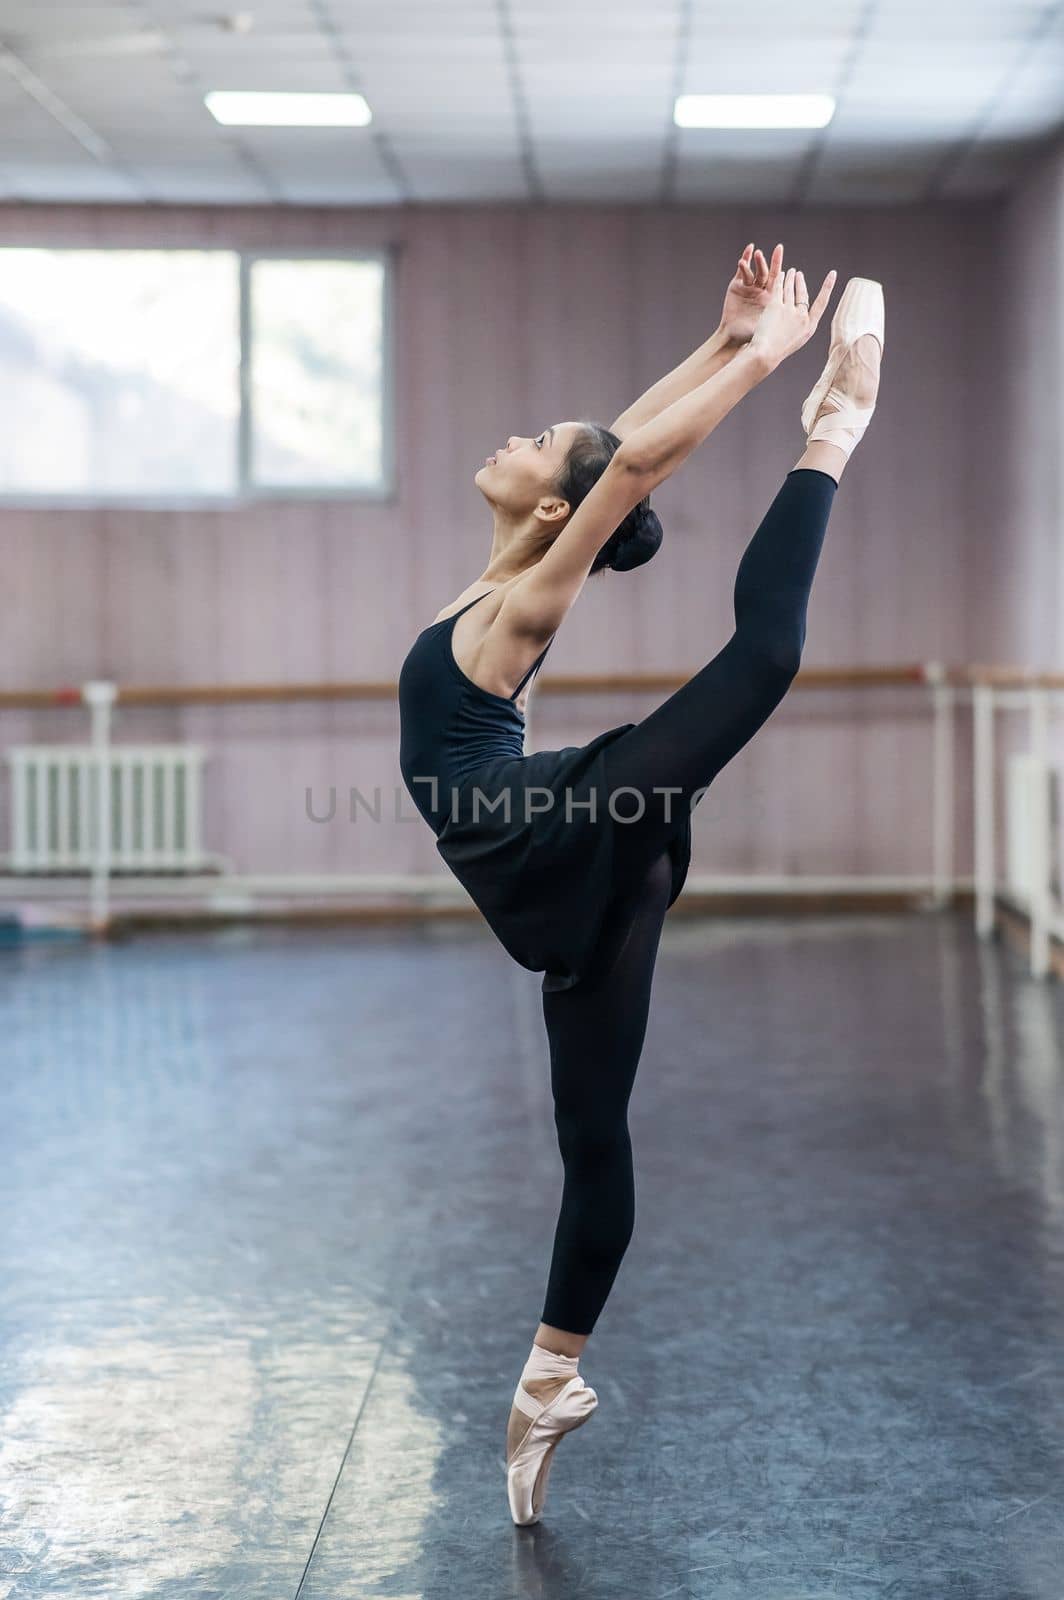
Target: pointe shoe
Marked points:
860	311
535	1430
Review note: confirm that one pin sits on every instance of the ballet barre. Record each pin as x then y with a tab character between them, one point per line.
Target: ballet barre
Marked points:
200	694
989	689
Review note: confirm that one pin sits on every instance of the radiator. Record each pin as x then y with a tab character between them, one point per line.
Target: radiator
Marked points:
1032	802
155	806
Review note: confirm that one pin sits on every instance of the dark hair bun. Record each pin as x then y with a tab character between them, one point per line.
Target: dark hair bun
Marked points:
639	535
635	541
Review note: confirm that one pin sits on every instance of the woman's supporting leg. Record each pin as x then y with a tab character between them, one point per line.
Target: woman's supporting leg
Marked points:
596	1031
681	746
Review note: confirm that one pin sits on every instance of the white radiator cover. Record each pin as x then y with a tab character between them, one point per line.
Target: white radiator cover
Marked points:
155	806
1030	788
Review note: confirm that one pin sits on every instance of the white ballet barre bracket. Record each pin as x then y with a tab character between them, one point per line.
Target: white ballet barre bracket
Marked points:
985	814
100	698
943	799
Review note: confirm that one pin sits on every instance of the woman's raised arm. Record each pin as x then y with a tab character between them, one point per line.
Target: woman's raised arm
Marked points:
745	298
701	364
787	322
538	604
651	453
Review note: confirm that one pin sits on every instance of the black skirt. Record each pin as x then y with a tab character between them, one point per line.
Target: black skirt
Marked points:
542	876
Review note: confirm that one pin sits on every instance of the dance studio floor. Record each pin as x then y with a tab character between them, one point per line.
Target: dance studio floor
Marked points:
276	1213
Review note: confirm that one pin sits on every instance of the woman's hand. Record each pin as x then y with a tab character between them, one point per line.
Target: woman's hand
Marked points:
749	293
788	319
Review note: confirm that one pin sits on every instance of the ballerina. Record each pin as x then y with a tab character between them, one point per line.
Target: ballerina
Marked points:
576	885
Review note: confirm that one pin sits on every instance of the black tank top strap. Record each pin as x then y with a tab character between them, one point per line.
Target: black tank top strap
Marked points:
538	662
539	659
463	609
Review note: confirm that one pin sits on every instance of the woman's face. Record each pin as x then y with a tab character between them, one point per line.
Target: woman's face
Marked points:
520	473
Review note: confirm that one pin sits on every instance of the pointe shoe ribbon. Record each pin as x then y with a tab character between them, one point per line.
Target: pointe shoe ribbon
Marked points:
861	310
536	1427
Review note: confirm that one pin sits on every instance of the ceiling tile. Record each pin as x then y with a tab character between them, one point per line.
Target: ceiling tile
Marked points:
578	94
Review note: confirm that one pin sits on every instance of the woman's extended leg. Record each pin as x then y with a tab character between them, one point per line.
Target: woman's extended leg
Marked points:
596	1031
596	1028
676	751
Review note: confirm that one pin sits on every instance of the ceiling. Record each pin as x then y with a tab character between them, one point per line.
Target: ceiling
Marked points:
524	100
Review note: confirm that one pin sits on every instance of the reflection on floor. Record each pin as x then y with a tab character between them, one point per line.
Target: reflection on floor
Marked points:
276	1215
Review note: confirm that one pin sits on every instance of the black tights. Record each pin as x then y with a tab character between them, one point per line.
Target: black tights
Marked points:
596	1028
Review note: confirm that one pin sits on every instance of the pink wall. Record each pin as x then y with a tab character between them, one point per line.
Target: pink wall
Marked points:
508	319
1025	567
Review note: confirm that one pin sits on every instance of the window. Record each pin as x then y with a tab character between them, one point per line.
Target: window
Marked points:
315	379
157	375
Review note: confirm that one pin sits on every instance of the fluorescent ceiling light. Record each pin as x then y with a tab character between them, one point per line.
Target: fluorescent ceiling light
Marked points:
753	110
252	109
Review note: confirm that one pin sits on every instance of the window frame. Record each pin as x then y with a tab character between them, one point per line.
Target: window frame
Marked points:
246	492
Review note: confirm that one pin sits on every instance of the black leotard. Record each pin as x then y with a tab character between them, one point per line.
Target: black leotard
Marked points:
449	724
541	876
